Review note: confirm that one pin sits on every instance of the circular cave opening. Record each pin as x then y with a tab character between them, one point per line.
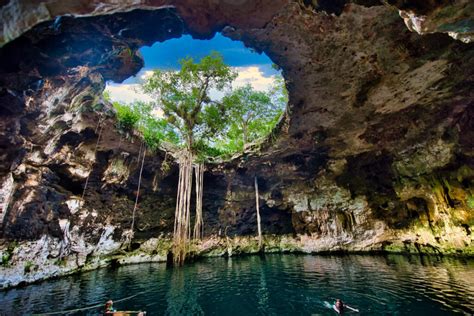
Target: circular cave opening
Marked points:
240	101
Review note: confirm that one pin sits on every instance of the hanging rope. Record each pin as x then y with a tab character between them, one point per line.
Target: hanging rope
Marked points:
98	123
259	228
198	225
138	189
128	234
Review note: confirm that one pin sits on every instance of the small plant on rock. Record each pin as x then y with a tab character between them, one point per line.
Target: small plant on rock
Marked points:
127	116
8	254
6	258
29	266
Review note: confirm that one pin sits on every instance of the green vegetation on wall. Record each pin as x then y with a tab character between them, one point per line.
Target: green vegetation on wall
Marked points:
139	116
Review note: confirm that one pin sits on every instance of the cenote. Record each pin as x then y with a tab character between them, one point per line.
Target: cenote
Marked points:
262	285
236	157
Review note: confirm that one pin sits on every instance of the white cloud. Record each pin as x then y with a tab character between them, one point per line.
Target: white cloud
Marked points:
254	76
130	92
144	74
127	93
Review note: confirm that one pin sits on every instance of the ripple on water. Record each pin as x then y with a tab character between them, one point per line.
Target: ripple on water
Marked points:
270	285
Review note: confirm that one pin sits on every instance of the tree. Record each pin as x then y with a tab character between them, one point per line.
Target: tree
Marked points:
279	94
202	126
185	98
254	114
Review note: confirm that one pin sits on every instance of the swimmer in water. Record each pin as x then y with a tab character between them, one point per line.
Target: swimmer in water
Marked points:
340	307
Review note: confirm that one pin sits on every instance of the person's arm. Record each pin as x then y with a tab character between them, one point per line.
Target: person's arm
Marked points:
351	308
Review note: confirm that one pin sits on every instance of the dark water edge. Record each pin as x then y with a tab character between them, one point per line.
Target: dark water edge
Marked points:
262	285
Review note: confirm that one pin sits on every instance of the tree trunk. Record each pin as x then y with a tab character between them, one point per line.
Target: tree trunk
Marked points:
199	171
259	228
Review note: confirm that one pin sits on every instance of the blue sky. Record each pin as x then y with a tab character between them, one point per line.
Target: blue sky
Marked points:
166	55
253	68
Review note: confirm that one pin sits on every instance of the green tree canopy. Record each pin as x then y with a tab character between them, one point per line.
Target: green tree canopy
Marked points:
254	114
193	114
185	99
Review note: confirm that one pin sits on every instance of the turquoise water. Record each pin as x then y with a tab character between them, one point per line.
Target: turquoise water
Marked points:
270	285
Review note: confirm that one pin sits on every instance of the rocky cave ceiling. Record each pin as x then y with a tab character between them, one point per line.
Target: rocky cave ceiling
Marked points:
359	80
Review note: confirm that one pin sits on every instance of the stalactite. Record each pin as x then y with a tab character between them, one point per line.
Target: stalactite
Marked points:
259	228
198	225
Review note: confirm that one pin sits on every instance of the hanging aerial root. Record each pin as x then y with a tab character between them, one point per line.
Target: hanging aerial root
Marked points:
182	232
198	224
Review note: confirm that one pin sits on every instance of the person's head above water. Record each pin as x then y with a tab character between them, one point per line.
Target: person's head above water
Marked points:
339	304
109	304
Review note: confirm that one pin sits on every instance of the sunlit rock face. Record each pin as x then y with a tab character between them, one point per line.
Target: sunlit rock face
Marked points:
451	17
375	151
